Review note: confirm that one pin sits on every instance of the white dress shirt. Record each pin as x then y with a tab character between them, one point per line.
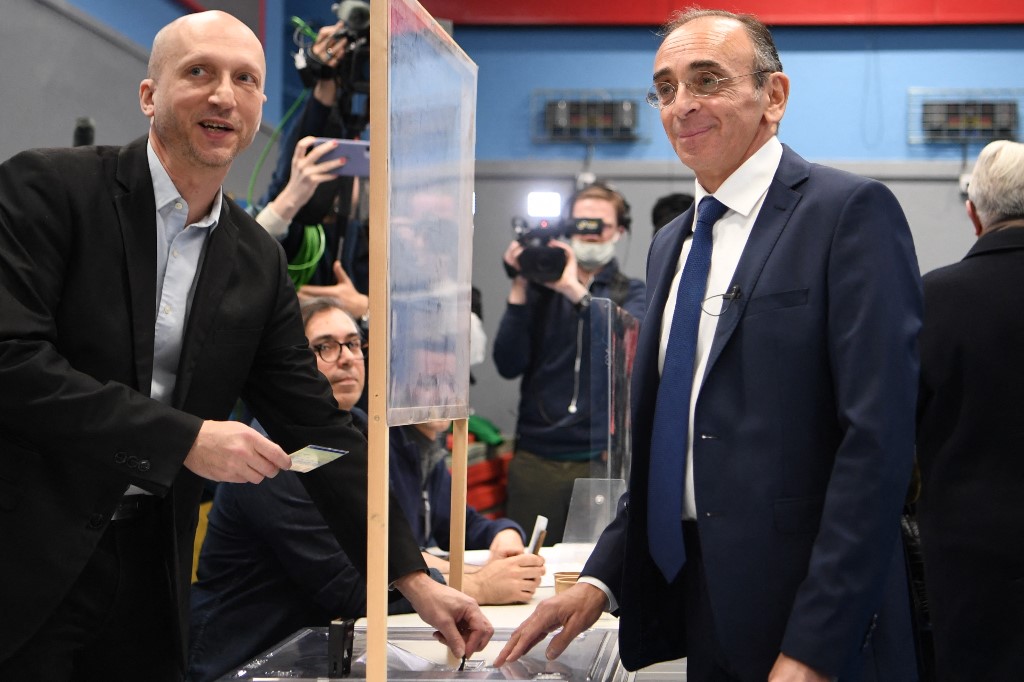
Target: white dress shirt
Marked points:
743	193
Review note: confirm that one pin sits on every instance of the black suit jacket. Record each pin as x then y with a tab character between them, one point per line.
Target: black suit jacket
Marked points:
804	433
77	315
970	447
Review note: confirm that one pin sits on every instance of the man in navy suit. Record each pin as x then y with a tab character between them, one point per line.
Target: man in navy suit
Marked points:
801	410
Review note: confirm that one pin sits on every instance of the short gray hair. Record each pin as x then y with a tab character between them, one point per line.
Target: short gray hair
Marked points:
766	56
997	184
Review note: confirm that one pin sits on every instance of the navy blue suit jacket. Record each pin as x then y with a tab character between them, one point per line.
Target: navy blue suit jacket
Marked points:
804	437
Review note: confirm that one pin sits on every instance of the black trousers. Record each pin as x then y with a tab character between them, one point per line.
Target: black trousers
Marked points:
117	622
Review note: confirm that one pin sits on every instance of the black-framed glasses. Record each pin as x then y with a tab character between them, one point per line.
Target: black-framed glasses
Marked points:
719	303
701	84
329	350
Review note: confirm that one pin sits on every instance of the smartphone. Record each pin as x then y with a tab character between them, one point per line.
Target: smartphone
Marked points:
357	153
540	530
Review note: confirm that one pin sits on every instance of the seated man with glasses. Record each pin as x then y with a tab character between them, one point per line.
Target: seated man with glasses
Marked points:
270	565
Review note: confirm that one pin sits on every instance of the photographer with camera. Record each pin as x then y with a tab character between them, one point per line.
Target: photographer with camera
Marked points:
317	215
544	337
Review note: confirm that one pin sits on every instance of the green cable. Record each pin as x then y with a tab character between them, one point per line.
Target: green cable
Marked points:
314	242
313	239
270	143
312	249
304	28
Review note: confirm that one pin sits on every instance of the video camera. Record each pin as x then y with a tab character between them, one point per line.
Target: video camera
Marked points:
356	15
539	262
352	71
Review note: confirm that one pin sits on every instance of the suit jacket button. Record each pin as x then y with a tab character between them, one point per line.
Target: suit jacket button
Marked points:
96	521
143	465
133	462
120	457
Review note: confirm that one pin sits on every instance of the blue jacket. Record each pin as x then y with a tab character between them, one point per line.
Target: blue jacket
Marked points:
540	341
806	423
270	565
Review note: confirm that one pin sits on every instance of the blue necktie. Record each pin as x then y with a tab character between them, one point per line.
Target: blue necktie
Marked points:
672	410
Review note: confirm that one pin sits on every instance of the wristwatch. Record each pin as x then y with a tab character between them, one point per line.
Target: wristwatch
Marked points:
583	303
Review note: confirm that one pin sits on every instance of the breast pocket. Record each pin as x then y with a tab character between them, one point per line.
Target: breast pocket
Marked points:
777	301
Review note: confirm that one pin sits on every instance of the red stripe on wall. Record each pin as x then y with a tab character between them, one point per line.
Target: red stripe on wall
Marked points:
774	12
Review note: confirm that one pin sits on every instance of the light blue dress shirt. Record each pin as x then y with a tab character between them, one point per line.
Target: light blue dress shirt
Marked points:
179	254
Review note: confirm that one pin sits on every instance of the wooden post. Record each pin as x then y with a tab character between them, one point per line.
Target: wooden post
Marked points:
457	532
380	351
460	447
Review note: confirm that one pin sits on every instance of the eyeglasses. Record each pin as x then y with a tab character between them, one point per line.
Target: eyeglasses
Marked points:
702	84
717	305
329	350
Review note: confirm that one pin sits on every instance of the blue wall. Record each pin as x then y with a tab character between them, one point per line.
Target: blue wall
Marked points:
849	84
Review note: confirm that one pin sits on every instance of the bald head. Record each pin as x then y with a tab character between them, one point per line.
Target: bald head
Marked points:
186	30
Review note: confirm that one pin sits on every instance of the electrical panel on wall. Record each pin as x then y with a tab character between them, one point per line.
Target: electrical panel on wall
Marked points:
963	116
589	116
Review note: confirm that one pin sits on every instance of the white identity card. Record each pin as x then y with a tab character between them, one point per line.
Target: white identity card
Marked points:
314	456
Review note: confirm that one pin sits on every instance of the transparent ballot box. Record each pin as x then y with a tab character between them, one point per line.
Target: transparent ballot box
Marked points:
612	338
413	654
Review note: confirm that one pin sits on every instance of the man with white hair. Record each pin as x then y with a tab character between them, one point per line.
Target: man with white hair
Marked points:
970	443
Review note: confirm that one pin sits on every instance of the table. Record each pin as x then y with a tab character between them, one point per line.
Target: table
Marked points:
413	653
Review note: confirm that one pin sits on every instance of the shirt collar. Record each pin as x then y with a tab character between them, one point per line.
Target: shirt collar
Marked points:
166	193
742	190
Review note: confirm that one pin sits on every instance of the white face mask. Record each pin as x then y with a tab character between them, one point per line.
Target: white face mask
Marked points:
477	340
593	255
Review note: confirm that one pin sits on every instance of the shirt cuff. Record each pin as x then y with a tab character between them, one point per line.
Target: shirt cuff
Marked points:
612	604
272	223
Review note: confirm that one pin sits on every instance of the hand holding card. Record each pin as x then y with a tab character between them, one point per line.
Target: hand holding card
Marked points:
314	456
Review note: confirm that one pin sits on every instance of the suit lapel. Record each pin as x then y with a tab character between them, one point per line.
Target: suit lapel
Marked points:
217	267
661	268
775	213
136	212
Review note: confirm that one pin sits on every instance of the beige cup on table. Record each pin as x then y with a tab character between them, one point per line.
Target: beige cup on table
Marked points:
565	579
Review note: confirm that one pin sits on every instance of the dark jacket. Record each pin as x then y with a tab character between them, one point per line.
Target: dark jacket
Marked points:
344	240
541	341
78	230
806	423
970	446
270	565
